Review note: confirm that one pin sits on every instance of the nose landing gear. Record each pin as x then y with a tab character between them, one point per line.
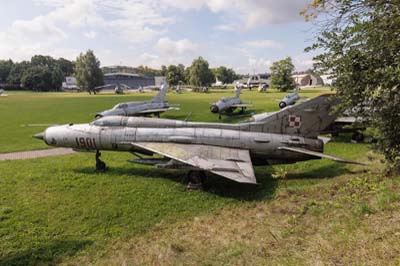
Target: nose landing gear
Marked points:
101	166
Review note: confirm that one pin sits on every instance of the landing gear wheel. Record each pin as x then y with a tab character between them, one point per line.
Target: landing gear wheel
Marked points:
357	137
242	110
101	166
196	180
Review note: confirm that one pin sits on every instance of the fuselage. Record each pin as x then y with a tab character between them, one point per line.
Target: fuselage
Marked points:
132	108
263	147
225	105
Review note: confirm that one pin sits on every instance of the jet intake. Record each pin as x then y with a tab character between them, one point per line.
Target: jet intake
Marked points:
214	108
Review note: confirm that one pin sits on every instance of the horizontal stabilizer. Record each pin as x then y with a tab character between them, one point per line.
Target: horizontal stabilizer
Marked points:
319	155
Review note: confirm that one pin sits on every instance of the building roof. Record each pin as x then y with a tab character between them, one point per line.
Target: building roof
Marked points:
121	74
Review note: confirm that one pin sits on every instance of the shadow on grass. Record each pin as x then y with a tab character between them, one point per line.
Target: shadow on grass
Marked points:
214	184
327	171
49	254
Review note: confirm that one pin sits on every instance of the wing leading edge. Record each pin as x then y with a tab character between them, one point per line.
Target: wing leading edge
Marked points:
234	164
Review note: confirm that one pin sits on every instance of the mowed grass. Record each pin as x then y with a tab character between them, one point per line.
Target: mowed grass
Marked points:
59	211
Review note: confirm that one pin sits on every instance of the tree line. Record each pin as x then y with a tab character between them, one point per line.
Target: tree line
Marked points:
41	73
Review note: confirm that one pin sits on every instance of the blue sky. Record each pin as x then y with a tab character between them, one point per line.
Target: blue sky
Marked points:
245	35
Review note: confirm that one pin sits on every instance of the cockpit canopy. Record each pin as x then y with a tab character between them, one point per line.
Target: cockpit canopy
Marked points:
121	106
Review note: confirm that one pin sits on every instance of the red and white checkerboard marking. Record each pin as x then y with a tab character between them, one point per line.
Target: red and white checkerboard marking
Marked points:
294	121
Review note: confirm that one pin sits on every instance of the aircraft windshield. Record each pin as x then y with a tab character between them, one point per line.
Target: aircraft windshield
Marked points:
120	106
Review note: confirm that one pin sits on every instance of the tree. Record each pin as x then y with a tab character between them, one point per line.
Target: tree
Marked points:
163	70
361	45
66	67
281	75
200	74
225	75
87	71
174	74
5	68
38	78
16	72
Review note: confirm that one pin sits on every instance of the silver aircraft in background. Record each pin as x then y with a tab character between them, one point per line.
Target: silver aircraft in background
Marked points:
226	150
155	106
228	105
3	93
290	99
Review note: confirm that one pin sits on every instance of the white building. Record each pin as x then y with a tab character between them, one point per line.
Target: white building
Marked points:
70	84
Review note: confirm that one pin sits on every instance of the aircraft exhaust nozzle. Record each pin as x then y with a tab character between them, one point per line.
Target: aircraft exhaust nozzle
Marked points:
282	105
214	109
39	136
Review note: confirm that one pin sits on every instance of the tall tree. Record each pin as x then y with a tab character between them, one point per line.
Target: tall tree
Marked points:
361	44
37	78
200	73
174	75
66	67
88	73
224	74
5	68
16	72
281	75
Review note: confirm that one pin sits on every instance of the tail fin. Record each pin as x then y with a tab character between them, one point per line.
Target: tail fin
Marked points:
160	97
307	119
238	91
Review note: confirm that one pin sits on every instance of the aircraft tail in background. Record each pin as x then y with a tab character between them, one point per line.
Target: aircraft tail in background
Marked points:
160	97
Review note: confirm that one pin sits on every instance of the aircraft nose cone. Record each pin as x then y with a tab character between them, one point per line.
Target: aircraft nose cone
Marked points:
214	108
39	136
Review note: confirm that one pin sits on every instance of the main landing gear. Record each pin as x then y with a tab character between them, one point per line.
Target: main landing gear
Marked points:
100	165
196	180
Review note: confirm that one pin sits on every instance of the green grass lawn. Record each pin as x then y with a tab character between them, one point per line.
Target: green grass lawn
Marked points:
57	210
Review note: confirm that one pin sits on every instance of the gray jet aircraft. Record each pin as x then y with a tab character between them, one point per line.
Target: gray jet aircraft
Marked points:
290	99
228	105
227	150
156	106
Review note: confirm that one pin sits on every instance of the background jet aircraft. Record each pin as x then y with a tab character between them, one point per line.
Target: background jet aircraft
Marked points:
227	150
2	93
156	106
228	105
290	99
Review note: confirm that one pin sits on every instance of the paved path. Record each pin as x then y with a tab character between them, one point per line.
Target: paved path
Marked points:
35	154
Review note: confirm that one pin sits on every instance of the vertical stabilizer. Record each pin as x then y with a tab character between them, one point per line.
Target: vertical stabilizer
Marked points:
238	91
307	119
160	97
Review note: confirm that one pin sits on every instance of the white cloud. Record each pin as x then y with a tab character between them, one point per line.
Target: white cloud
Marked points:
90	34
303	62
180	47
264	44
259	65
248	14
38	27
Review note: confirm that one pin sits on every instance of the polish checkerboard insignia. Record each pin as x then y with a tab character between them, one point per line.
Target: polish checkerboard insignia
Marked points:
294	121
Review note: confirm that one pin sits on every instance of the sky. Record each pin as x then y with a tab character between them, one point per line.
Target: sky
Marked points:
244	35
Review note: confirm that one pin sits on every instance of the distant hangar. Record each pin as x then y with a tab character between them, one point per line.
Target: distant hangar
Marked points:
134	81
